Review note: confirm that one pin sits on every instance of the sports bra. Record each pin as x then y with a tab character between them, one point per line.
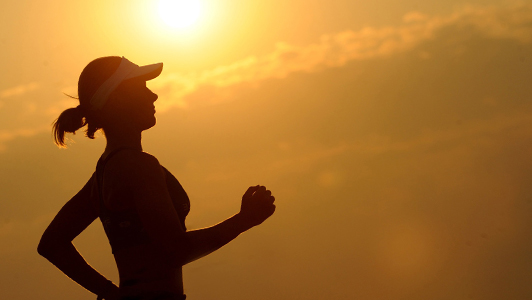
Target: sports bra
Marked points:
124	228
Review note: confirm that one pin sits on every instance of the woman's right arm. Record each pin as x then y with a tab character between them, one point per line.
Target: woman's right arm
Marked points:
141	176
56	243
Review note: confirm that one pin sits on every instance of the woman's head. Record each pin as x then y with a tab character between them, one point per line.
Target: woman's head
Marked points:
110	89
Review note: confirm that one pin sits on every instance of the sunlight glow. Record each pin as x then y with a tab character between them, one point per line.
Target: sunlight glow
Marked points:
179	13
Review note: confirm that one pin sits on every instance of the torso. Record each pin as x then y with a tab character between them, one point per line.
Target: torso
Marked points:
141	266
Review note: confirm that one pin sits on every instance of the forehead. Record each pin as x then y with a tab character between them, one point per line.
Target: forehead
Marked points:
134	82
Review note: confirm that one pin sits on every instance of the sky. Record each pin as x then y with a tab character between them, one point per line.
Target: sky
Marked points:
395	135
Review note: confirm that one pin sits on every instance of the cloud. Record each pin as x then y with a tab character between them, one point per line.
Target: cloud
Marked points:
338	49
8	135
30	116
16	234
472	131
330	51
19	90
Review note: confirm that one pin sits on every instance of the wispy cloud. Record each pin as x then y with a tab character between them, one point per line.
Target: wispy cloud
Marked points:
19	90
16	234
466	134
336	50
8	135
330	51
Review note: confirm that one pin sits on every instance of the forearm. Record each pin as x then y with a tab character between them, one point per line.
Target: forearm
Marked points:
202	242
67	259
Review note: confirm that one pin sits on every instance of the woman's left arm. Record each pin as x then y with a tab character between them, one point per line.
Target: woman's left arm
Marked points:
56	244
257	206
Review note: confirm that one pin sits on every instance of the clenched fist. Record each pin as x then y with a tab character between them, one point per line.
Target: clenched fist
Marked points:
257	205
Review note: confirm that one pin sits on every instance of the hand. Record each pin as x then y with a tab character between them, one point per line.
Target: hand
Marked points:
257	205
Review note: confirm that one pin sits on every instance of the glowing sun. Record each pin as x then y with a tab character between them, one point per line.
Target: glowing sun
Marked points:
179	13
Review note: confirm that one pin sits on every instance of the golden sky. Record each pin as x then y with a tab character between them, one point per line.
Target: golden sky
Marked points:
395	135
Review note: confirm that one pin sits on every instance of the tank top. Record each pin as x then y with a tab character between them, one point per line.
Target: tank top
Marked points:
124	228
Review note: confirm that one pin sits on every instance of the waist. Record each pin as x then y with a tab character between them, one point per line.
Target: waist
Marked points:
151	289
152	282
154	296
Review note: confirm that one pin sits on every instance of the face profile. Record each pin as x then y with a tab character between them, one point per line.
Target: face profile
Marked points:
133	103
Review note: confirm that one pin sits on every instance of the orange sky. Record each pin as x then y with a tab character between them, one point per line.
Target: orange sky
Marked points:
396	136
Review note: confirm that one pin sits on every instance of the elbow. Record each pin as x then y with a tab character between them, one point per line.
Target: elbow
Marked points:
44	248
47	247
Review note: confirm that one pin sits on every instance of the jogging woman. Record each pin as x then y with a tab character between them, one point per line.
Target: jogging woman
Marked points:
141	204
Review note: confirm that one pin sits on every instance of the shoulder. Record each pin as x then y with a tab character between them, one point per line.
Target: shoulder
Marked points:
128	154
131	166
129	159
132	177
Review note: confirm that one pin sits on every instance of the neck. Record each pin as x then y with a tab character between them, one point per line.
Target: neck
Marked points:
122	138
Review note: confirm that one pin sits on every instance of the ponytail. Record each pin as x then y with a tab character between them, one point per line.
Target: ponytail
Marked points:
90	80
69	120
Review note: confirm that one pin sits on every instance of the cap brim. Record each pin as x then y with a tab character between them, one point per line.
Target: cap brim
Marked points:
147	72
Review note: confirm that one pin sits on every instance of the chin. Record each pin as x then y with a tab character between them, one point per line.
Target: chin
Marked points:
144	126
151	124
146	122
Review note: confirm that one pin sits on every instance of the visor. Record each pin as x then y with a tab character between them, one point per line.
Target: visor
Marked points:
126	70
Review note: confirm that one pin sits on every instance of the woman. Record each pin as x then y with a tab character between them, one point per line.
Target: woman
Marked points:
141	205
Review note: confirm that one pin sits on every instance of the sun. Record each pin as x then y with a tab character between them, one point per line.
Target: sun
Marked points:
179	13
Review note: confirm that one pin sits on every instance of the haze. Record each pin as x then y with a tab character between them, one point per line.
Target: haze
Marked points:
395	135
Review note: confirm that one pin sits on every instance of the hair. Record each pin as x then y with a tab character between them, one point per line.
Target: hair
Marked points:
73	119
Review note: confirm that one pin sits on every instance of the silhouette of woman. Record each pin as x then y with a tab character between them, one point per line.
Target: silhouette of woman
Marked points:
141	204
